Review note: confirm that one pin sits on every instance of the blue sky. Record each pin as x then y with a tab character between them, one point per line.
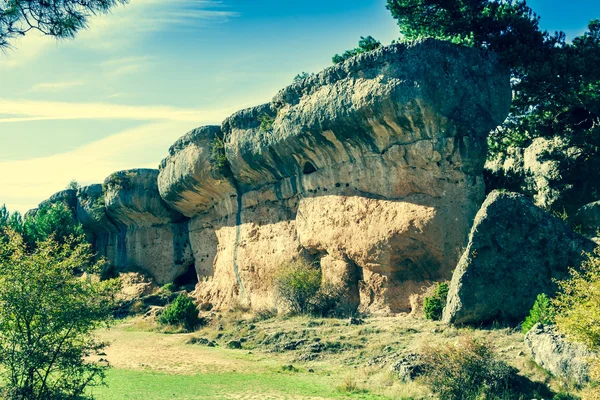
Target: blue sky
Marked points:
123	91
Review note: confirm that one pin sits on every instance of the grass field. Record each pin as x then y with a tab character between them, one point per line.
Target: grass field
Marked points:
273	363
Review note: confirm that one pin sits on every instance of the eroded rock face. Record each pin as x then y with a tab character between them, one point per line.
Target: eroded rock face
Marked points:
563	359
371	168
133	228
515	251
561	173
189	181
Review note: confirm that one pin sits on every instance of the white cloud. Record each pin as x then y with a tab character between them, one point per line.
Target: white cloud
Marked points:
25	183
55	86
32	110
122	26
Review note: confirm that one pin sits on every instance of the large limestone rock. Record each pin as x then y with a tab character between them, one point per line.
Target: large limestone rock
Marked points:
372	168
515	251
133	228
189	181
561	173
563	359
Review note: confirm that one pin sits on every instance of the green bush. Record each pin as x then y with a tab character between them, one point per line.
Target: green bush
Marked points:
542	312
218	159
469	371
296	284
266	122
434	305
182	312
365	44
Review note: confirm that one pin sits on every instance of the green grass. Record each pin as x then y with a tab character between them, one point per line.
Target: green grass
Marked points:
129	384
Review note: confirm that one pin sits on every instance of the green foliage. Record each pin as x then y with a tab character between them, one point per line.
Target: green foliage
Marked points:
555	84
433	306
48	316
296	284
182	312
303	75
266	122
365	44
61	19
52	220
542	312
469	371
169	288
578	303
73	185
218	159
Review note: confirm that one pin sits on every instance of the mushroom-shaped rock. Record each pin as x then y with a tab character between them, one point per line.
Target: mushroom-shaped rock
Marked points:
398	95
193	178
132	199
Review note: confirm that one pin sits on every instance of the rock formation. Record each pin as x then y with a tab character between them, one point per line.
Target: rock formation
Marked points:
561	173
563	359
515	251
371	168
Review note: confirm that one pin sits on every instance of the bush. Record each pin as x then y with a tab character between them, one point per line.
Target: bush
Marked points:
578	312
266	123
365	44
434	305
218	159
295	285
182	312
578	303
468	371
329	301
542	312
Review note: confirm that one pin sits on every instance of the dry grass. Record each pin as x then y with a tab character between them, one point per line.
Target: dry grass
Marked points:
354	358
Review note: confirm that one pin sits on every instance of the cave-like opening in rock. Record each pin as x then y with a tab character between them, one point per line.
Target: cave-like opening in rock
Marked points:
188	279
309	168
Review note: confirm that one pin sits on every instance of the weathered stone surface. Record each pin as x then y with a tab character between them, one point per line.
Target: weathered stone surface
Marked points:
188	181
372	168
561	173
147	236
132	199
515	250
563	359
588	218
91	210
67	197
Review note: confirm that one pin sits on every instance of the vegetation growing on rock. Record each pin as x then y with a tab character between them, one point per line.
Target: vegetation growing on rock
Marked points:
365	44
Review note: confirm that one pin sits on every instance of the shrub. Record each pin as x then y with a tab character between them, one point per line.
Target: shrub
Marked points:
542	312
266	122
218	159
330	301
434	305
296	283
468	371
169	287
578	303
182	312
365	44
578	312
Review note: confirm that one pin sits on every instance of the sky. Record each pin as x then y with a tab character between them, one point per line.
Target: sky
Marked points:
119	94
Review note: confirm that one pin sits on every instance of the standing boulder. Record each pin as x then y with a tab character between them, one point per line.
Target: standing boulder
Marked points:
563	359
515	251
